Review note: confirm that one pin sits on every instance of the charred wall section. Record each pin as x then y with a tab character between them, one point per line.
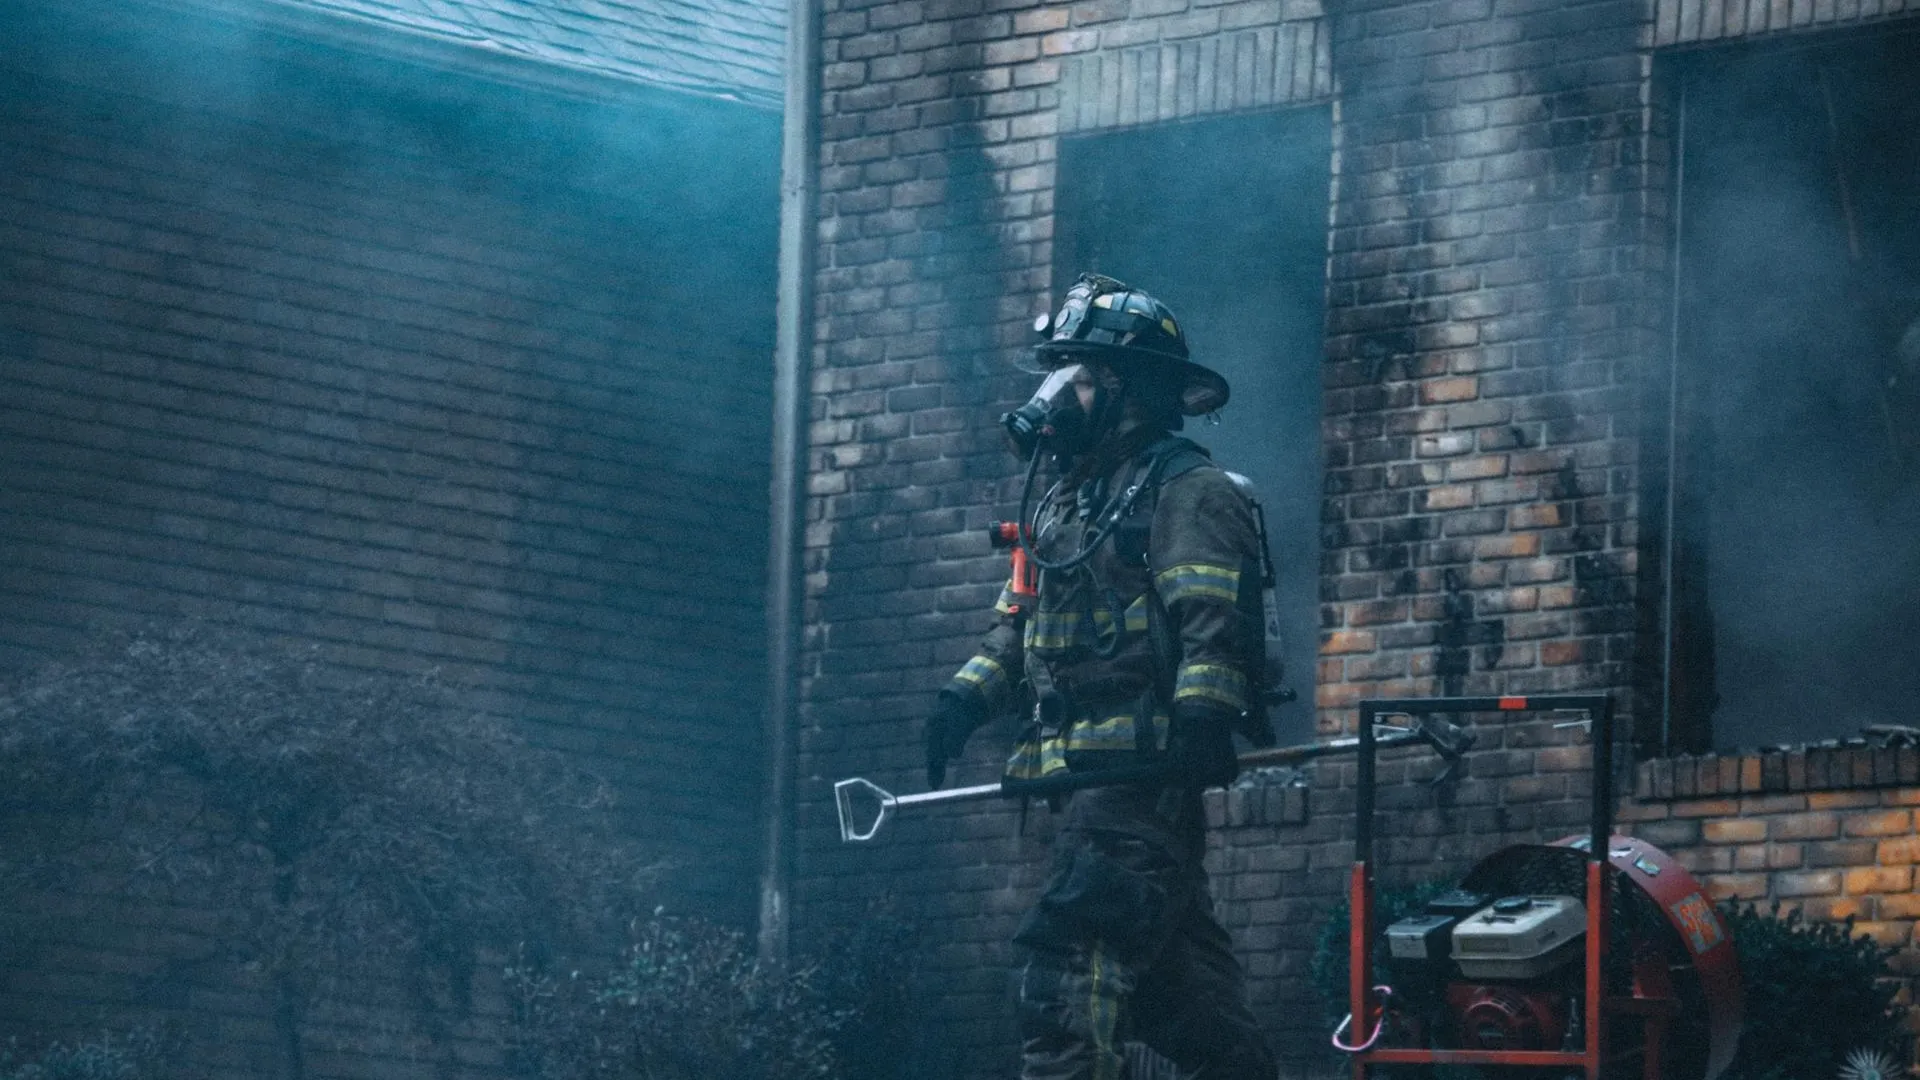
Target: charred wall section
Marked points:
1495	361
934	233
1484	331
1489	312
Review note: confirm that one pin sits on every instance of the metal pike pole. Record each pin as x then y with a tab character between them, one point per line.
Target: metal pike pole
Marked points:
1449	741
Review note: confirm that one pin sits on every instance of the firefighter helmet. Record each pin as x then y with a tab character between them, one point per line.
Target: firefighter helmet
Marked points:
1110	321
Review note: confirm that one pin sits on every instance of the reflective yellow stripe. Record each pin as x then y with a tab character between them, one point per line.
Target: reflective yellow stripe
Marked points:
1113	733
1134	618
1119	732
1194	581
1055	630
1213	682
984	674
1035	757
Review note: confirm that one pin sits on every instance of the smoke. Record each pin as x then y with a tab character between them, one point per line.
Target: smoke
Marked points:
404	358
1801	272
682	190
1225	220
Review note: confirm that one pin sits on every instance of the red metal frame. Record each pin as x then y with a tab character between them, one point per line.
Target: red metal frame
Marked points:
1367	1014
1683	901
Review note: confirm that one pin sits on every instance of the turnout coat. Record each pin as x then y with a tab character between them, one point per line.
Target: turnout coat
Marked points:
1165	608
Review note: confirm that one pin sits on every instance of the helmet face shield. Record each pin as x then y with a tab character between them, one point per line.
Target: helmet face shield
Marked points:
1057	388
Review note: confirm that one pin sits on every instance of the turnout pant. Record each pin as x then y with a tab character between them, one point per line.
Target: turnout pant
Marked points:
1123	946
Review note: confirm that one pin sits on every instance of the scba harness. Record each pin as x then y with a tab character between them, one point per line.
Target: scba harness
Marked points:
1118	717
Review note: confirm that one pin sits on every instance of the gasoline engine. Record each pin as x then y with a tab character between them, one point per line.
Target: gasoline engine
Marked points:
1596	955
1499	963
1491	974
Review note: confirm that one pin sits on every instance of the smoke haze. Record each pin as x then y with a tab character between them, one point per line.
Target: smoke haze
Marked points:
1801	271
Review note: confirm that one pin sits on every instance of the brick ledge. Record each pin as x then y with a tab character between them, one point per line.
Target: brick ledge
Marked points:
1261	800
1819	767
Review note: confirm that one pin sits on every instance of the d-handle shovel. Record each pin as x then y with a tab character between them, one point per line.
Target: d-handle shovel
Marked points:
848	795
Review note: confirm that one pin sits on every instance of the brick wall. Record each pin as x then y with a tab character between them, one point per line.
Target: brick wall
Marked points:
430	371
1679	22
1827	854
1489	308
1485	312
1146	63
1826	831
934	240
1496	341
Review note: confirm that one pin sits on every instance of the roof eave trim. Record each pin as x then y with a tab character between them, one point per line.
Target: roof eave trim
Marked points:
402	41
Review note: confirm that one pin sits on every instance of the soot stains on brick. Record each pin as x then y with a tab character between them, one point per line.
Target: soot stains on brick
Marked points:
965	257
1460	632
1495	292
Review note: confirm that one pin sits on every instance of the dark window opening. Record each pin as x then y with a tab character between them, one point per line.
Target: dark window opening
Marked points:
1795	513
1226	220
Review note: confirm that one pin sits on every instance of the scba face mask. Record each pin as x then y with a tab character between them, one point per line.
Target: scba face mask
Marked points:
1053	415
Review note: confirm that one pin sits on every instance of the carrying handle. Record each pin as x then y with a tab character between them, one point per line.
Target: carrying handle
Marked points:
846	794
1379	1024
843	801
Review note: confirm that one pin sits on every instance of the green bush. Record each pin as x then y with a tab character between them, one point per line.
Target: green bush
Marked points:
873	974
1330	952
1816	992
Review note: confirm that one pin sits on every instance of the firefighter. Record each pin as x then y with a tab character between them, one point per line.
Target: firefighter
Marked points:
1140	649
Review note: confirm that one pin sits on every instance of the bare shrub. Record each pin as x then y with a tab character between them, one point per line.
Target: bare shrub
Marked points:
689	1000
337	830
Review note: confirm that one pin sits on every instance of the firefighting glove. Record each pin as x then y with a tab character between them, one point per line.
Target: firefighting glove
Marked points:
1200	744
953	719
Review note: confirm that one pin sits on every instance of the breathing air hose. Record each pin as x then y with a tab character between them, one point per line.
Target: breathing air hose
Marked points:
1121	509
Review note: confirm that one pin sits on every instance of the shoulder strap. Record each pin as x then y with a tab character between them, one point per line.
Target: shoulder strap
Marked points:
1176	457
1165	460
